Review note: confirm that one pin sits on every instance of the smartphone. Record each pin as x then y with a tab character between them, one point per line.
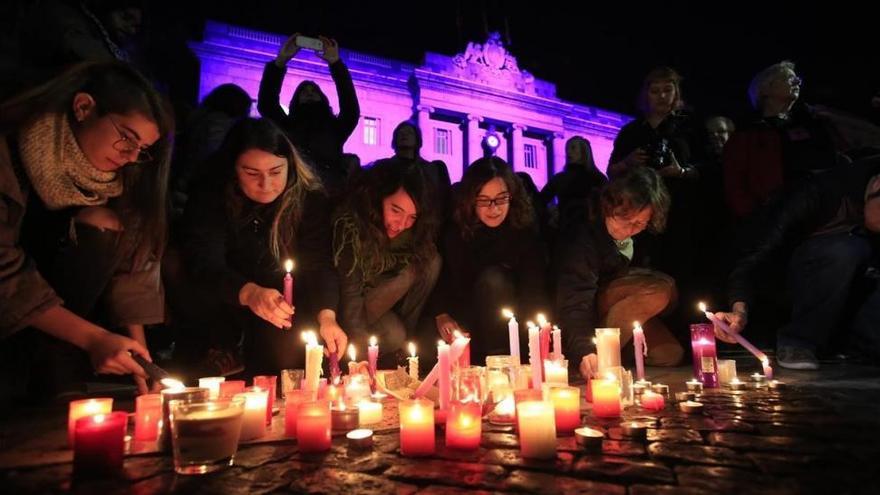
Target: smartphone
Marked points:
310	43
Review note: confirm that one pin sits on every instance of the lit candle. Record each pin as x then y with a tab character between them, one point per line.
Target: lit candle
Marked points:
212	383
356	389
606	397
726	370
464	425
444	382
288	285
370	412
268	383
736	336
344	418
513	334
544	336
85	407
229	388
291	409
634	430
607	348
99	443
373	356
694	385
640	349
556	372
566	408
768	371
505	409
334	367
557	344
413	362
253	423
416	427
705	354
314	356
147	417
455	351
535	355
537	429
652	401
588	438
464	358
352	360
313	426
360	439
736	384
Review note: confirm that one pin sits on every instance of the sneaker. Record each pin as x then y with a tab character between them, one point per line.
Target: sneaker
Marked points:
796	358
222	362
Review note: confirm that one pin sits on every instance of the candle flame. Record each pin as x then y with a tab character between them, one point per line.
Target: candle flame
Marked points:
412	349
609	376
530	324
172	383
507	313
342	405
636	325
595	342
457	334
703	341
310	338
702	307
352	353
541	319
557	328
98	418
441	343
288	265
373	340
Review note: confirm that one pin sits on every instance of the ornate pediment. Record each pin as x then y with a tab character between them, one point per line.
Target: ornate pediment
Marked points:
491	63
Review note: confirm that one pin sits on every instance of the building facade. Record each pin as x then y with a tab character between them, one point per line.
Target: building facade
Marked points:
455	100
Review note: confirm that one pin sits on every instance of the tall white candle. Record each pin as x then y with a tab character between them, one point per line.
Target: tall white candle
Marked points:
535	355
314	356
607	348
513	334
455	351
640	349
557	344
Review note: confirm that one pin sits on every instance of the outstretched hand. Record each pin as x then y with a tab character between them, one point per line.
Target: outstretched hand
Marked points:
331	49
288	50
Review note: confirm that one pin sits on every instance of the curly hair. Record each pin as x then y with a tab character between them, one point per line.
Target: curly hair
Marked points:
521	214
634	190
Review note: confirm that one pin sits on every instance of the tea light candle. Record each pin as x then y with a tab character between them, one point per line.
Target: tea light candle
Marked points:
416	427
634	430
360	439
230	388
566	408
370	412
537	430
82	408
606	398
607	348
99	443
652	401
344	418
464	425
588	438
313	426
736	384
212	383
147	417
776	385
291	410
659	388
685	396
269	384
694	386
253	424
556	372
691	407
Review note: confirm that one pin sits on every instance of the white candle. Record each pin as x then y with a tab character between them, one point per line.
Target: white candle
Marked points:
513	332
726	370
535	355
373	355
557	344
455	351
556	372
352	359
212	383
253	423
640	349
413	362
607	348
314	356
444	382
537	429
370	412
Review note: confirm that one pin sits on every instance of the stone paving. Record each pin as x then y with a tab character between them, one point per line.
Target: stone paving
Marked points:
820	435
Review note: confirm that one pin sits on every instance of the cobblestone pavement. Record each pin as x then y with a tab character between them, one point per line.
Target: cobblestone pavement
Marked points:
820	435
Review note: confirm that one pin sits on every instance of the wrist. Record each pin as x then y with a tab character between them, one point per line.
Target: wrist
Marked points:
281	62
244	294
326	317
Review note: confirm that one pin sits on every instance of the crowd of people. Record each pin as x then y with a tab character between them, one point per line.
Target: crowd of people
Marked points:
114	225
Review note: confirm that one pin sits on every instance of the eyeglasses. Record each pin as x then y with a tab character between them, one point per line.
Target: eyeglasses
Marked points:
127	144
488	203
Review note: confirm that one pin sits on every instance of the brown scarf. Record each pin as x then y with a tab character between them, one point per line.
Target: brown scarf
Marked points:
58	170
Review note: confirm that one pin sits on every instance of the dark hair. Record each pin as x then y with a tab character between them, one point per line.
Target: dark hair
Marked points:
520	216
117	88
660	74
587	149
401	126
230	99
634	190
263	135
364	207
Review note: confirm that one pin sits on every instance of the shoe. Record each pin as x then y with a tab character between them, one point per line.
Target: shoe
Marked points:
796	358
222	362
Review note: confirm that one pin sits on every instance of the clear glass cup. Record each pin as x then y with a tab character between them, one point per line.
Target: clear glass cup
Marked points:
520	376
469	384
291	380
205	434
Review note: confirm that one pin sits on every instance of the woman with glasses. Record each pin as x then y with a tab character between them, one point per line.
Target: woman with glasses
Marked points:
83	171
596	284
493	258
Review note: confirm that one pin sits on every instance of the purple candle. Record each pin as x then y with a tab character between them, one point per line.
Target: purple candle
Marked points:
705	355
288	285
372	357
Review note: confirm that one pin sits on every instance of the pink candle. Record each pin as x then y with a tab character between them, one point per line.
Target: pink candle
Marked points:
372	357
99	443
291	409
606	398
768	371
653	402
288	285
513	335
464	360
268	383
85	407
535	356
231	387
455	351
464	425
313	426
334	367
544	337
705	355
736	336
445	376
640	349
567	408
147	415
557	344
417	427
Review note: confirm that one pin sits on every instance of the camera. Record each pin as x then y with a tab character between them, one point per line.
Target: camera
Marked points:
658	153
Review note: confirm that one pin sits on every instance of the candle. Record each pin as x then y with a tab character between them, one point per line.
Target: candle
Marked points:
776	385
659	388
212	383
694	385
557	344
607	348
504	412
187	394
705	355
356	389
360	439
370	412
372	355
652	401
99	443
313	426
464	359
736	384
537	430
455	351
640	349
768	371
344	418
606	397
736	335
535	355
691	407
85	407
556	372
206	434
513	334
445	375
566	408
288	285
464	425
314	356
416	427
352	360
334	367
634	430
588	438
229	388
726	370
253	423
413	362
147	417
291	409
544	336
268	383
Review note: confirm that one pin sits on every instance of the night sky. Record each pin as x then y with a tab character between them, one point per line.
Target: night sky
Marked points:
598	55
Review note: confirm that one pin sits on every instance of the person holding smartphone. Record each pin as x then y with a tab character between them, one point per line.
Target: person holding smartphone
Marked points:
310	124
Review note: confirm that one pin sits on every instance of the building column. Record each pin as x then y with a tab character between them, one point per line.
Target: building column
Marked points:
558	147
424	121
517	151
474	148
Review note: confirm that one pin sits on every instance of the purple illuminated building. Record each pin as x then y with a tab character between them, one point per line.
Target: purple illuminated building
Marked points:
454	100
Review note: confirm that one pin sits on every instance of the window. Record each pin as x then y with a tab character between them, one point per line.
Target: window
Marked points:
442	141
531	156
371	131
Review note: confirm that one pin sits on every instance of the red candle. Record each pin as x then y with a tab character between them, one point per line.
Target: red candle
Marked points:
267	382
291	409
288	285
566	408
652	401
229	388
606	398
464	425
99	443
147	415
313	426
82	408
416	427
